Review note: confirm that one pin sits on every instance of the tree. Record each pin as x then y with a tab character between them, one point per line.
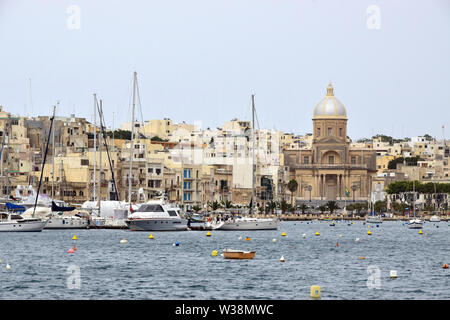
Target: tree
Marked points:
380	206
322	208
227	204
214	205
284	206
272	205
292	187
303	207
120	134
196	208
332	205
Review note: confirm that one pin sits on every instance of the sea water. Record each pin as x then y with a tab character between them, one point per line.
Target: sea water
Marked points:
103	268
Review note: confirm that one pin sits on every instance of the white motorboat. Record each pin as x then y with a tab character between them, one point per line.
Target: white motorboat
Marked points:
244	223
156	215
19	224
415	224
374	219
435	218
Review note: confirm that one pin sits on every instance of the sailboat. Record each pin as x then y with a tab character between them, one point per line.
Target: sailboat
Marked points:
373	218
415	223
241	222
10	222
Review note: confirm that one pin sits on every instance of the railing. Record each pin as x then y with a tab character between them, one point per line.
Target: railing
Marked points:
331	166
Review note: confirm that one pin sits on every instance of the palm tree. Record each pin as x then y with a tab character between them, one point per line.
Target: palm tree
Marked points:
303	207
292	187
322	208
332	205
284	206
214	205
272	205
196	208
227	204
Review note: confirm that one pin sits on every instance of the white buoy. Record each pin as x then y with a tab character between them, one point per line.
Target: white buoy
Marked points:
304	235
393	274
240	238
282	259
274	240
340	236
8	267
357	240
123	241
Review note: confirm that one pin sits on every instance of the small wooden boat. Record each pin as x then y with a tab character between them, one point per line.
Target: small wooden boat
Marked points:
238	254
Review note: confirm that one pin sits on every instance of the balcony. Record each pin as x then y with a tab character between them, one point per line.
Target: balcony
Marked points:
336	166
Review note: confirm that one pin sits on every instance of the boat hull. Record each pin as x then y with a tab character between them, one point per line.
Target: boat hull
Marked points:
238	254
249	225
67	223
157	224
415	225
22	226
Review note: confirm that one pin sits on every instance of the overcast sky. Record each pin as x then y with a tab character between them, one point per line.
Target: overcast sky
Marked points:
200	60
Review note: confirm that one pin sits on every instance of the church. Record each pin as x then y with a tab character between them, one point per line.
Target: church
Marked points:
330	169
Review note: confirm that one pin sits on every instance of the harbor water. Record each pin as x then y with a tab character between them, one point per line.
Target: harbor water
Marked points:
103	268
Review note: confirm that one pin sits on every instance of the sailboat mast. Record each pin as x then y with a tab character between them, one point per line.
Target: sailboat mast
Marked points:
95	145
53	163
7	149
132	138
1	158
100	162
414	199
253	154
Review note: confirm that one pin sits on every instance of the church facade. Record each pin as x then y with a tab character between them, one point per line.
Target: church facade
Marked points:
330	169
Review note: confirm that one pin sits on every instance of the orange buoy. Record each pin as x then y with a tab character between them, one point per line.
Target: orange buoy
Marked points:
337	244
74	248
445	266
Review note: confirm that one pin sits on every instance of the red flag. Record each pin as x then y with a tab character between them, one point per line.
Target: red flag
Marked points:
131	208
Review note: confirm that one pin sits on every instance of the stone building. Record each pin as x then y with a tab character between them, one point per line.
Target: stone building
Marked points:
331	166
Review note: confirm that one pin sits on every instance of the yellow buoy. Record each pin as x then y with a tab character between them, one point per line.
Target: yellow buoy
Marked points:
150	236
74	237
317	233
247	239
283	234
420	232
208	234
214	253
362	258
369	233
315	292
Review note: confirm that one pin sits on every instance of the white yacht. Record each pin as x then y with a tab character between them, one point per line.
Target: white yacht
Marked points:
415	224
59	219
16	223
374	219
244	223
435	218
156	215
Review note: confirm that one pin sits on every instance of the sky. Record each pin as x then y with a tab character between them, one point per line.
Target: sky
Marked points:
199	61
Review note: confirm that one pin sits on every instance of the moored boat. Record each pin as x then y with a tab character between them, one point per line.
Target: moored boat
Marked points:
156	215
238	254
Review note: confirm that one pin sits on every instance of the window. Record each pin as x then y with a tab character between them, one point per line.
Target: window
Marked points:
158	171
318	132
353	160
150	208
306	160
150	170
172	213
331	159
329	131
340	132
84	162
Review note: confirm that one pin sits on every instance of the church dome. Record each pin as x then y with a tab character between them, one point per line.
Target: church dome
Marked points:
330	107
